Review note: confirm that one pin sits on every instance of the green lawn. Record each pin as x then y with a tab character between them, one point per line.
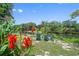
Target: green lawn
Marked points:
71	40
53	49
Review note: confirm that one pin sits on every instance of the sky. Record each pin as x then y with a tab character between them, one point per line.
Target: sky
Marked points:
38	12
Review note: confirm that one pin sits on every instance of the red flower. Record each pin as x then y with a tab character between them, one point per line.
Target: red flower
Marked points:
12	40
11	45
33	29
28	38
27	42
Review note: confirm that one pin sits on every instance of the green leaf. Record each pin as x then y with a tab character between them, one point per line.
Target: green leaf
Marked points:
5	42
1	10
3	47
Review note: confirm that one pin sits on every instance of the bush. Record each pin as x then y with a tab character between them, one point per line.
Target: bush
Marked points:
38	36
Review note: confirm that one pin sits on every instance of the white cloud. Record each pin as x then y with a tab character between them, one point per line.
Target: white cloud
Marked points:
20	10
17	10
13	9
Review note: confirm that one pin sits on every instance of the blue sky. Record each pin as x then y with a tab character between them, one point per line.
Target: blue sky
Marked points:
38	12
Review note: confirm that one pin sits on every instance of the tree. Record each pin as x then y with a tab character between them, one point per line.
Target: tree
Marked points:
68	26
55	27
25	26
6	11
6	19
74	14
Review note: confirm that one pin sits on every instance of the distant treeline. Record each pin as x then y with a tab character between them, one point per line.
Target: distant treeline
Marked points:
66	27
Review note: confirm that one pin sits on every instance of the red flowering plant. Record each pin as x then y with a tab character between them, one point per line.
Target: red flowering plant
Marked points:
27	44
8	47
33	29
12	48
12	40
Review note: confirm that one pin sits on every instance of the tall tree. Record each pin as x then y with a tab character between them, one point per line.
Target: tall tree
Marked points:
6	19
74	14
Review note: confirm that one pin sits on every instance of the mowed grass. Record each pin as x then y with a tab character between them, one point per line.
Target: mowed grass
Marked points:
54	49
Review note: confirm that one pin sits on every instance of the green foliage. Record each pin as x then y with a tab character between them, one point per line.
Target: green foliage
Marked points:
38	36
3	48
6	21
6	26
71	40
24	27
74	14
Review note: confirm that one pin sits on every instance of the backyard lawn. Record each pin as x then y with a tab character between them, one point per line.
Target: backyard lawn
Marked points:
51	48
